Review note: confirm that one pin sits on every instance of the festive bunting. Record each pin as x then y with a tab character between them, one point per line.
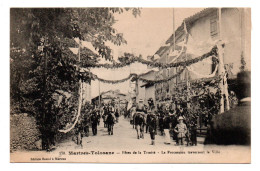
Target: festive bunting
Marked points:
133	59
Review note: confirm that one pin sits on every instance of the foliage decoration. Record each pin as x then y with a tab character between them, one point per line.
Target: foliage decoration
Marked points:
86	75
130	58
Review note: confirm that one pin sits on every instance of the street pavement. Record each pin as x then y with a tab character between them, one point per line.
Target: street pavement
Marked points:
125	148
124	138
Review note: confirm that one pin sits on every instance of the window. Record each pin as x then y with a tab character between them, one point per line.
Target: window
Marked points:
214	27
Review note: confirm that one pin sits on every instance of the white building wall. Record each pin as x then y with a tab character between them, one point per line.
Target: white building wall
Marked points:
233	34
86	92
149	93
141	91
200	33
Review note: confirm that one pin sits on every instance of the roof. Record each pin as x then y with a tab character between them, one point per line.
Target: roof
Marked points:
189	22
149	72
146	85
162	50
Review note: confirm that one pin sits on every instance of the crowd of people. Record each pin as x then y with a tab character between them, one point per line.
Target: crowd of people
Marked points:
161	120
91	118
172	124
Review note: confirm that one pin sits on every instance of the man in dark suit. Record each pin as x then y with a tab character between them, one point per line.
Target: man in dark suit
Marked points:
94	123
234	126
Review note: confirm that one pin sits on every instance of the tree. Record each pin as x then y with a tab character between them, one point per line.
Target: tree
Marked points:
41	62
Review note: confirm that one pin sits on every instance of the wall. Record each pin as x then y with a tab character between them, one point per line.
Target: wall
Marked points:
141	91
231	34
235	25
86	92
200	33
24	133
149	93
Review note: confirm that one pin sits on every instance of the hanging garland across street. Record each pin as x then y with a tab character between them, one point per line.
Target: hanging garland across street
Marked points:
162	80
87	74
133	59
113	81
133	76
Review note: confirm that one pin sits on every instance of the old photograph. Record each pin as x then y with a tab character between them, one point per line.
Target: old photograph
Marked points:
130	85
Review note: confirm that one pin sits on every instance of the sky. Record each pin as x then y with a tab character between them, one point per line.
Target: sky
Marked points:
144	34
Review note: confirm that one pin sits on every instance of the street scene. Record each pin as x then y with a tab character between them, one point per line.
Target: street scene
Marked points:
117	82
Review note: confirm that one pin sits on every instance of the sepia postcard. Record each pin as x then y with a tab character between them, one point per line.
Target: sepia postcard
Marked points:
130	85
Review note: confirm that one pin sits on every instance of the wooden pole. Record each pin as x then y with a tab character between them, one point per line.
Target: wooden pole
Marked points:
172	45
187	73
99	98
221	65
223	84
173	25
221	70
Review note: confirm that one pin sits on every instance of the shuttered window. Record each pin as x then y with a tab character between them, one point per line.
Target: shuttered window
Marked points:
214	27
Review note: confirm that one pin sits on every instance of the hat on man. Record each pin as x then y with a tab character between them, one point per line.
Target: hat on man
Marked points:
180	118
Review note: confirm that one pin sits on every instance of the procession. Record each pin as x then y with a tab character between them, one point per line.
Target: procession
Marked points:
129	79
144	120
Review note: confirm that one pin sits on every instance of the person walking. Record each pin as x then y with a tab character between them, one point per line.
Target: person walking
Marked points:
161	116
181	130
193	131
94	123
167	125
86	122
117	114
148	120
152	126
110	121
151	108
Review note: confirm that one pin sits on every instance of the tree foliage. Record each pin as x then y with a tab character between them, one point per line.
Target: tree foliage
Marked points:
40	59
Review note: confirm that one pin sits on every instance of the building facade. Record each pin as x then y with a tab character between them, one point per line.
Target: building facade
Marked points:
196	36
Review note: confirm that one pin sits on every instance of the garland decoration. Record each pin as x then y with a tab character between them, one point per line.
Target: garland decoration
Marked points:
112	81
78	111
162	80
132	75
133	59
